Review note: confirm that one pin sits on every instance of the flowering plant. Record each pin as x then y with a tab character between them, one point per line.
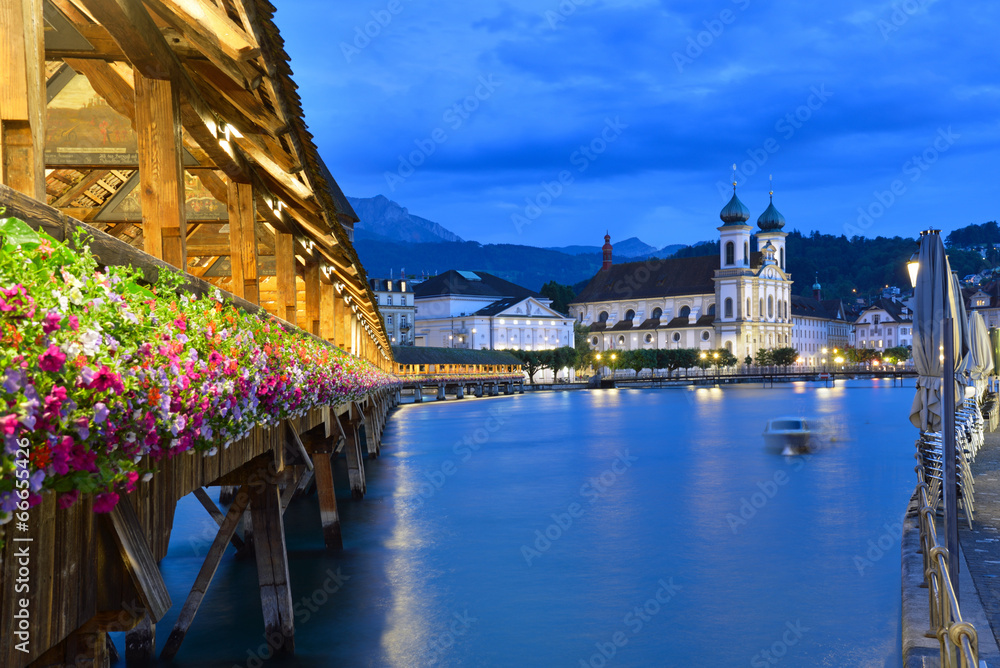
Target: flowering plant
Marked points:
101	377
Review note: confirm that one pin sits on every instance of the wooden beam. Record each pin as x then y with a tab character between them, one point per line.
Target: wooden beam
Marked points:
213	510
328	514
327	311
210	25
243	242
284	256
205	575
355	463
161	174
312	285
138	559
272	567
22	97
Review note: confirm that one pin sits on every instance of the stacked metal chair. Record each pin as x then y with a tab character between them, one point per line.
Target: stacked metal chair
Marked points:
969	430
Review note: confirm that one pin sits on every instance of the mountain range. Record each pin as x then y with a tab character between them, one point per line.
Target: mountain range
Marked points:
389	239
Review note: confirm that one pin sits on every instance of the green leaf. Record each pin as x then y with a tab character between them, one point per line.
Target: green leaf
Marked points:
17	232
137	290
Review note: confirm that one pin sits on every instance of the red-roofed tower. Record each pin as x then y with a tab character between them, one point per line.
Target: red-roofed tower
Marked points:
607	252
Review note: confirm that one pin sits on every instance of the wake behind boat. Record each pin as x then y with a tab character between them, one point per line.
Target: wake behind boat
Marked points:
787	436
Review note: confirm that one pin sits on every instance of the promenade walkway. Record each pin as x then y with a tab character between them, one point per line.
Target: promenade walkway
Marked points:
981	543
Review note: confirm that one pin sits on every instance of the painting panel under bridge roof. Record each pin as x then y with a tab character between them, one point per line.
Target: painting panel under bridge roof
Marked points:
82	129
199	204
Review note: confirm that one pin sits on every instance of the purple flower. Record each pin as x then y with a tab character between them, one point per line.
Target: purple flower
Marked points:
52	359
100	412
36	480
14	380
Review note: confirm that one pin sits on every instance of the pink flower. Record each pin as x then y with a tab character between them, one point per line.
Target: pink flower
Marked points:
181	324
8	424
51	322
52	359
105	379
105	502
74	322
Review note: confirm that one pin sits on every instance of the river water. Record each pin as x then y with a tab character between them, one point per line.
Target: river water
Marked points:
591	528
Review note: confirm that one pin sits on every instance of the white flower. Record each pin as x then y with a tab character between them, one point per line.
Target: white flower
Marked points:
91	340
147	477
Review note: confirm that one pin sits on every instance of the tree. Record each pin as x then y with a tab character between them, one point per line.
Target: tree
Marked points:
784	356
677	358
764	357
861	355
748	360
533	361
637	360
561	295
581	336
562	358
896	354
724	359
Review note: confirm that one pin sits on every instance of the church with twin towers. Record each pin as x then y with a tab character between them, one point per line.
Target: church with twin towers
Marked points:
739	300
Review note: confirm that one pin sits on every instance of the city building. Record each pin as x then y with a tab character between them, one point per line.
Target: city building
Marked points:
395	303
884	324
474	309
820	328
738	300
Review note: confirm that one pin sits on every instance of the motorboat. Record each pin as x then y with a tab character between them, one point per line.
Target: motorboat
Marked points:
787	436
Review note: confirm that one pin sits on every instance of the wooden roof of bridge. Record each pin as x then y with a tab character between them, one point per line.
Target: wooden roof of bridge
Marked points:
228	61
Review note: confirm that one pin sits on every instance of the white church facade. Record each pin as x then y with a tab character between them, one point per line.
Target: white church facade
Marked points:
738	300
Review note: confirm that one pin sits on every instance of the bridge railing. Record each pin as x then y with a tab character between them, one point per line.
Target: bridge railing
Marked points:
958	638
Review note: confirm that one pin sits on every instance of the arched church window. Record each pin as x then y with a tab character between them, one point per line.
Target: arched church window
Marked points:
729	346
603	317
781	254
685	312
711	310
630	315
760	314
748	307
730	252
770	306
746	254
728	310
657	313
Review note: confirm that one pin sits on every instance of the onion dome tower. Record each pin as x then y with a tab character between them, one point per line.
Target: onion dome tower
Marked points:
770	224
607	252
734	238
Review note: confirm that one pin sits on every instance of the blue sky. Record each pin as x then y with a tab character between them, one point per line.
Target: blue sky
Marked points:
545	123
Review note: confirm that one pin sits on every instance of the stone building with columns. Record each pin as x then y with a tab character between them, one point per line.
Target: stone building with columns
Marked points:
475	309
738	300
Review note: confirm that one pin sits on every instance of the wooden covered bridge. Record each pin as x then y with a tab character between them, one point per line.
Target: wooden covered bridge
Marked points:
456	371
170	132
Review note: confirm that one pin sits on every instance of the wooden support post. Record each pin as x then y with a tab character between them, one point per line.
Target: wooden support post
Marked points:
355	465
217	515
140	643
284	258
161	174
272	568
341	313
328	514
205	575
22	98
327	311
243	242
440	396
311	280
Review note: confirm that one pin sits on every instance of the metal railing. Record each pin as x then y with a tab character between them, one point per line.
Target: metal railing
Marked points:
958	638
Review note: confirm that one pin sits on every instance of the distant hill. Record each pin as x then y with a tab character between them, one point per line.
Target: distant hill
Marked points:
383	219
633	247
525	265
